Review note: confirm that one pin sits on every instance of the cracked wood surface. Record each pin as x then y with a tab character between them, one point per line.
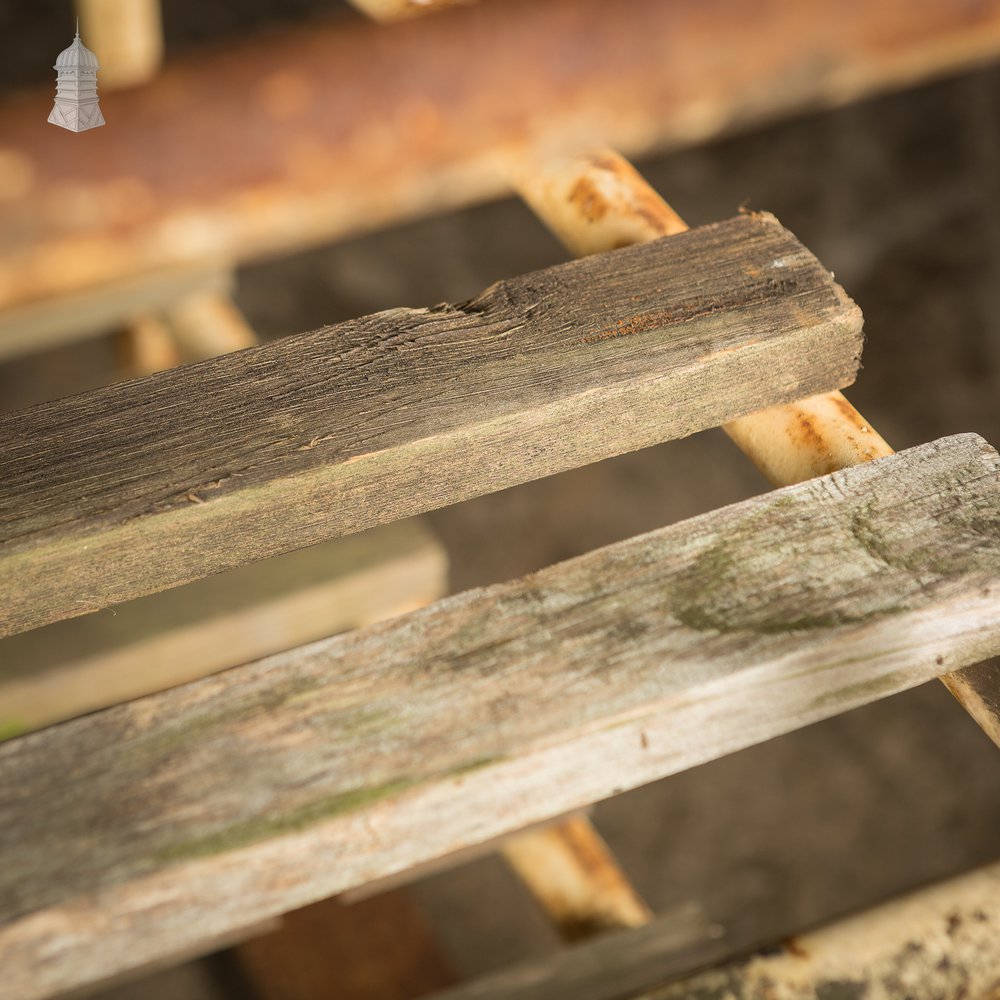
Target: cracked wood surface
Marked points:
145	485
131	833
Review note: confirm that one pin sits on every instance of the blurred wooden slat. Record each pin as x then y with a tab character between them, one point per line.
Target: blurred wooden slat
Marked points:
147	345
208	324
940	943
156	642
40	325
400	10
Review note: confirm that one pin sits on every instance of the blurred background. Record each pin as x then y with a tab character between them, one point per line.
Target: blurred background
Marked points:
897	191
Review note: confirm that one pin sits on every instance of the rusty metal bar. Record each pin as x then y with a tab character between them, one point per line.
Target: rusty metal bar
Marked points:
574	875
398	10
127	38
209	324
939	944
597	201
309	133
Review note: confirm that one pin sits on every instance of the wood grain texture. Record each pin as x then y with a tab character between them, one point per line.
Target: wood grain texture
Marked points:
133	832
142	486
75	666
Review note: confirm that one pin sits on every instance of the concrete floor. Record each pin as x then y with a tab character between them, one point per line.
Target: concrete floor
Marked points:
901	198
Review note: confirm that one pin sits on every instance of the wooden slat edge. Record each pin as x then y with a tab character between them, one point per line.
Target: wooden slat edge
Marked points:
148	484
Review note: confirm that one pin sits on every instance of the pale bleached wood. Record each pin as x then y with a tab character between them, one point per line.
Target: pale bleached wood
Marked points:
148	484
596	200
140	829
82	664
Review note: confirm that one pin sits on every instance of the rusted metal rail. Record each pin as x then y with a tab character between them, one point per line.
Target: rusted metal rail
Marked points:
127	38
303	135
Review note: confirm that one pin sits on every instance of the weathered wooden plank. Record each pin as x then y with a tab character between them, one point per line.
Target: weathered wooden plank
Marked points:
144	485
622	963
65	669
150	825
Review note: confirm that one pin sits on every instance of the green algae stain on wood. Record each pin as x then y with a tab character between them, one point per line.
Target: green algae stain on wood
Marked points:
295	820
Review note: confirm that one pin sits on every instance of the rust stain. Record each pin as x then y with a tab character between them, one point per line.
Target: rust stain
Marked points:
591	203
794	947
652	214
850	414
633	325
284	95
802	431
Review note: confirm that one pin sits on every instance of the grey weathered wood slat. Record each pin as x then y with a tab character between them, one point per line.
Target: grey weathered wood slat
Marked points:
134	832
75	666
148	484
622	963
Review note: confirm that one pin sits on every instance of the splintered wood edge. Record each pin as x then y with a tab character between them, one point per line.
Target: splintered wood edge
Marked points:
133	832
200	469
